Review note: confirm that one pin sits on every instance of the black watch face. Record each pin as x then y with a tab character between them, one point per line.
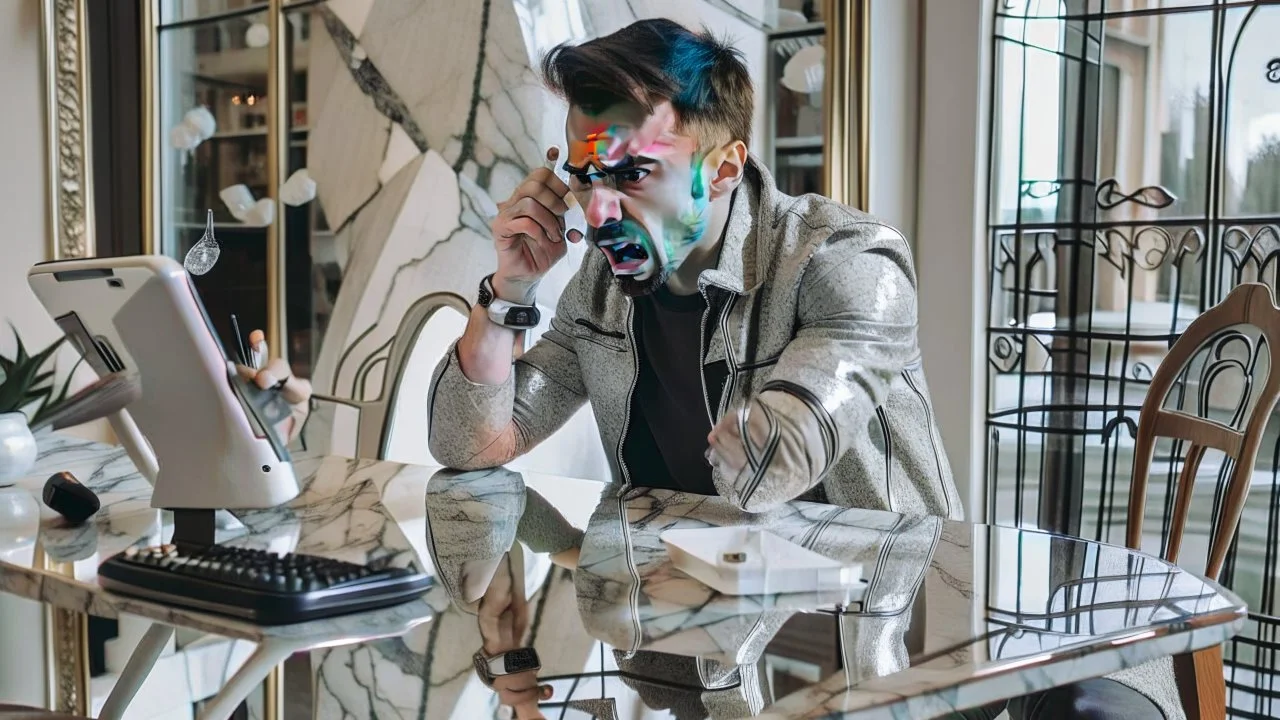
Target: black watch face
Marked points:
520	660
526	317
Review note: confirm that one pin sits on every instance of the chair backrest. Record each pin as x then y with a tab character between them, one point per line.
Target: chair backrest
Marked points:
1248	321
374	426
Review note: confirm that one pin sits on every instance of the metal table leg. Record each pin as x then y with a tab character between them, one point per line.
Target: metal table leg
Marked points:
136	671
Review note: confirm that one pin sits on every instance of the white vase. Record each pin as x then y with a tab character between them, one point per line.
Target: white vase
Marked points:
19	525
17	446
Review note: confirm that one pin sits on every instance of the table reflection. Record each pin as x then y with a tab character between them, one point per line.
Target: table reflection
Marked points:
948	614
938	597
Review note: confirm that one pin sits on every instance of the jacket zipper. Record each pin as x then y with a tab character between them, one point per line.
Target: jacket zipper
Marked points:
702	348
635	376
729	363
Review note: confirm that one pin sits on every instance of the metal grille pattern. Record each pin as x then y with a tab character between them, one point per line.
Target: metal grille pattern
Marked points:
1135	179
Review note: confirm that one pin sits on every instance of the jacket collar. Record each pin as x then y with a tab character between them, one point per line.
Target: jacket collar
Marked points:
754	206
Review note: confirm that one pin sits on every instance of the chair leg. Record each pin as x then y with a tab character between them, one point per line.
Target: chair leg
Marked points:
1200	683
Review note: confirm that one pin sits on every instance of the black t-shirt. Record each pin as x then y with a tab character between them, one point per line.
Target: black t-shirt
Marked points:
666	442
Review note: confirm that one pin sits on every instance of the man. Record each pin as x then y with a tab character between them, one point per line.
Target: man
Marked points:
732	340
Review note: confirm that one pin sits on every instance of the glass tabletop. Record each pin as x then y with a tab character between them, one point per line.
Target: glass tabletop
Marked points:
621	633
943	614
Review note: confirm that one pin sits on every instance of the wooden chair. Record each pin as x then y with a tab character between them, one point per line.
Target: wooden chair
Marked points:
1248	306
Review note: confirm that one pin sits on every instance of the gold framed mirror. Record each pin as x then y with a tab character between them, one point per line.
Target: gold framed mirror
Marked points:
66	79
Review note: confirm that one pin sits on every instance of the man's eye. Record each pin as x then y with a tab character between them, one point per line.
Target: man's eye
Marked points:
633	175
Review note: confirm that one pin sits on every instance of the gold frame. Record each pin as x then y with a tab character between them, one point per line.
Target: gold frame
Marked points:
847	92
69	209
67	129
278	118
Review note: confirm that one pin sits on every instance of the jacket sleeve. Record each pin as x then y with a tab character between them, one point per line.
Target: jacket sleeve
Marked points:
475	426
856	332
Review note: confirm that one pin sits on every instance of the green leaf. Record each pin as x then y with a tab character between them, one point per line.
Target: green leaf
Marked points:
43	356
66	384
41	378
25	381
52	403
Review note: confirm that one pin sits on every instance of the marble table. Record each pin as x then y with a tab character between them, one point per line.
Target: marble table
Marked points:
948	616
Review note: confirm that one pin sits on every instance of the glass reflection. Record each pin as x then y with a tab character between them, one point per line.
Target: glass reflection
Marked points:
213	111
644	637
172	11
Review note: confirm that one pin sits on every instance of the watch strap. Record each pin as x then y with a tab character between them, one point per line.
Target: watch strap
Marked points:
505	313
486	294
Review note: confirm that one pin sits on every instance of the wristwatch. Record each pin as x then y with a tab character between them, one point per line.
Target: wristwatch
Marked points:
506	663
506	314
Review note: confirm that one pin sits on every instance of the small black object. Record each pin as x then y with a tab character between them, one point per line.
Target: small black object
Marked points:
257	585
70	499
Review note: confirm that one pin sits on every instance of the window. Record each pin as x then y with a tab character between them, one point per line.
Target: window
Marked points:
1135	179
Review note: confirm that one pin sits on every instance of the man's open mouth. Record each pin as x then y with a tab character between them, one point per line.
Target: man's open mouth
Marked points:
625	256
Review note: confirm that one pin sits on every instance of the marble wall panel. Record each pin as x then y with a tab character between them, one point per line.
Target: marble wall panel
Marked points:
348	135
451	119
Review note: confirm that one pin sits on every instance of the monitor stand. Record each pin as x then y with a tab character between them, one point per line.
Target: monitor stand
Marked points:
194	528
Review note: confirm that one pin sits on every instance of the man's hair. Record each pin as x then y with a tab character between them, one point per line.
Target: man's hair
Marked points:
650	61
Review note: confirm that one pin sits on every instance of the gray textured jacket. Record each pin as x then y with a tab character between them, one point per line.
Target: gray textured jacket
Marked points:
812	304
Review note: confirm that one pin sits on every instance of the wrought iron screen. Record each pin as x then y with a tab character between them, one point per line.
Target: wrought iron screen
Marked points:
1135	179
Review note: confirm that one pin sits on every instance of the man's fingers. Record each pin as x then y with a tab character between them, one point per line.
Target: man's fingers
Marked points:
279	368
545	195
574	235
726	443
538	250
514	231
552	223
245	372
296	390
547	178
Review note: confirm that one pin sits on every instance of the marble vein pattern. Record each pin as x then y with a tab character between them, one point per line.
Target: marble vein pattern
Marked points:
347	125
342	512
444	107
949	616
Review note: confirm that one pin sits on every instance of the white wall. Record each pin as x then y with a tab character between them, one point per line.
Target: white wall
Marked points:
951	228
928	164
895	89
22	210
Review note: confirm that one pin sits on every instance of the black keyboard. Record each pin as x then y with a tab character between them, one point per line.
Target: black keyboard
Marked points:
257	585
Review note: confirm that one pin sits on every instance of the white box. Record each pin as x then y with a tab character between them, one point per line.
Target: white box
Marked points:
771	565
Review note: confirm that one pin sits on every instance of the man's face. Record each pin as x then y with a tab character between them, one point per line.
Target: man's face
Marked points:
645	212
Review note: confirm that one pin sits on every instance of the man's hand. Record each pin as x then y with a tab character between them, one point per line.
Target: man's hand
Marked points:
529	232
782	457
503	617
278	377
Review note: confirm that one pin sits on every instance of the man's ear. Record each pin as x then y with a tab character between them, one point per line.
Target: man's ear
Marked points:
726	174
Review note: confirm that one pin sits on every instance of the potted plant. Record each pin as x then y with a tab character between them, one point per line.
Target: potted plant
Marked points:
26	396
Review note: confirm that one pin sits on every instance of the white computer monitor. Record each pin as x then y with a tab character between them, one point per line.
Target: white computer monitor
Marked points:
212	434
